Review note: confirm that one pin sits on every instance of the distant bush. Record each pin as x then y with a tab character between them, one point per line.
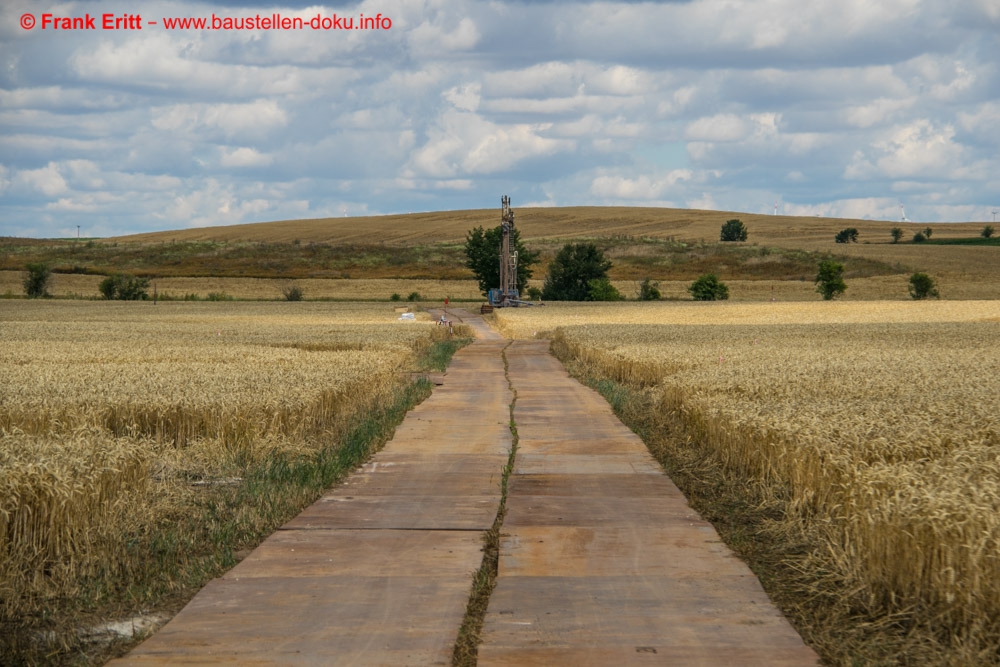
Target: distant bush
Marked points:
830	279
413	296
219	296
395	297
601	289
919	237
987	232
708	288
36	282
733	230
572	270
922	286
123	287
534	293
897	234
293	293
928	231
849	235
649	290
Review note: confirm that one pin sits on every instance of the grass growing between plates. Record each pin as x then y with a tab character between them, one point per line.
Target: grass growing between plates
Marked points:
439	355
484	580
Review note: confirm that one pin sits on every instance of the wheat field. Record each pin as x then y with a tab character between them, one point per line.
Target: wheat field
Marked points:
875	424
375	289
520	323
114	414
264	289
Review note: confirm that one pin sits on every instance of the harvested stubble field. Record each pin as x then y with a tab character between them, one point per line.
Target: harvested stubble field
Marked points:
972	264
670	245
868	431
119	422
377	289
261	289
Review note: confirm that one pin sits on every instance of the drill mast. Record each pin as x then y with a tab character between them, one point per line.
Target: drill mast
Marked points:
506	295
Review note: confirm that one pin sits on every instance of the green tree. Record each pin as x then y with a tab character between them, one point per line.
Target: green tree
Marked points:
482	252
733	230
928	231
708	287
36	281
649	290
572	270
601	289
897	234
987	232
919	238
830	279
849	235
123	287
922	286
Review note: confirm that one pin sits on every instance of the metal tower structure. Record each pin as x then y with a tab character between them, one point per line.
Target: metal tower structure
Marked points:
506	294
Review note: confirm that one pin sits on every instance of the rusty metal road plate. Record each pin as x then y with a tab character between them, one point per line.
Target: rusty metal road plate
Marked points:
378	571
602	561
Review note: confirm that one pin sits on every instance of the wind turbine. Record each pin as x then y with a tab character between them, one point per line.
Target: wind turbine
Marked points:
994	212
902	214
776	208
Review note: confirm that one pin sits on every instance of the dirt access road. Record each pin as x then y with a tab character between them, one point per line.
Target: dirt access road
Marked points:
601	560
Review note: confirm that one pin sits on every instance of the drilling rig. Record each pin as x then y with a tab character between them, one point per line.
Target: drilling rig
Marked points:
506	295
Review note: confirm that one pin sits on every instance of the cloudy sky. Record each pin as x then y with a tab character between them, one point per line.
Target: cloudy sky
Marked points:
847	108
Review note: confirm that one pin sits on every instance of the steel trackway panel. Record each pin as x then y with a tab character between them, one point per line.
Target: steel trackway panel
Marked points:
378	571
602	561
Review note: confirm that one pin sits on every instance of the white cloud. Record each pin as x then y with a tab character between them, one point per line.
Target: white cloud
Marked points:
250	119
90	202
435	38
84	174
244	157
454	184
876	112
877	208
677	101
721	127
162	62
213	204
853	102
548	79
465	98
47	180
639	188
463	142
703	203
918	149
982	121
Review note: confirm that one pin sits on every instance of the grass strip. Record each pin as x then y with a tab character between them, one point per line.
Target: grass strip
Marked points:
466	652
438	356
